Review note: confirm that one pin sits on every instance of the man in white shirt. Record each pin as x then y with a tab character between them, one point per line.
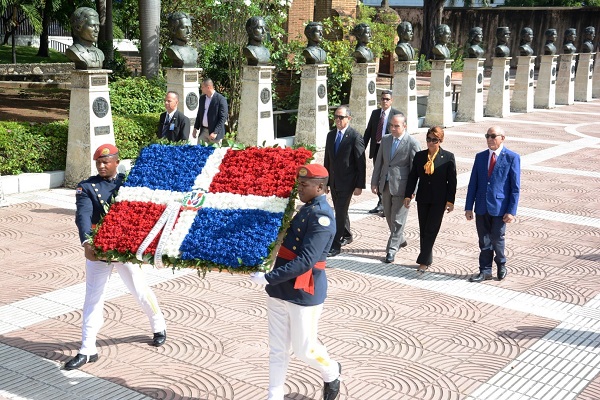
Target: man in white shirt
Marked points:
212	114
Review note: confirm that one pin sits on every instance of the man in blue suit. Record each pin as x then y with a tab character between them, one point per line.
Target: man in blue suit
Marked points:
494	189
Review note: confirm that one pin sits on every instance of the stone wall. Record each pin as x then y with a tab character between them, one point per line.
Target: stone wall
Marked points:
39	72
539	19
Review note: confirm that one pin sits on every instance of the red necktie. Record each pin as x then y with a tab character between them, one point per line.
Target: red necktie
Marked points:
492	163
379	132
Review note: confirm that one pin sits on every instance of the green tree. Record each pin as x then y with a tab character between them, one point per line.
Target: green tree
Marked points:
18	12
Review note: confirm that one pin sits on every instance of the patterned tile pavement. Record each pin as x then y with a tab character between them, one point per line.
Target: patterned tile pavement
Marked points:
399	335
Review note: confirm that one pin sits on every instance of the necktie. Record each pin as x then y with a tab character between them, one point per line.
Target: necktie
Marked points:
394	147
492	163
379	132
166	125
338	140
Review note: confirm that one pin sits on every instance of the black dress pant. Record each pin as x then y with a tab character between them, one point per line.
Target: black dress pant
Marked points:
430	221
341	204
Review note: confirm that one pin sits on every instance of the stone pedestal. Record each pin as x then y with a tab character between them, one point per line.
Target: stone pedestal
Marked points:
256	106
90	123
363	94
522	97
565	81
583	77
470	104
596	78
184	81
313	114
545	91
498	99
404	89
439	102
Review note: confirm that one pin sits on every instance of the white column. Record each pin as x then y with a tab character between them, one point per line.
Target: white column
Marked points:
545	91
256	108
583	77
565	81
313	115
470	101
596	78
404	89
498	99
439	102
90	123
363	94
184	81
522	97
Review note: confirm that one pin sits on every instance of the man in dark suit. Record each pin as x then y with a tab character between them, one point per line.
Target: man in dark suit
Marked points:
212	114
378	127
494	189
345	161
173	125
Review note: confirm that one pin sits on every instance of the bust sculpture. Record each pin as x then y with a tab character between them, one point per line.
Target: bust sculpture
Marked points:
588	40
475	37
442	38
404	49
85	26
502	37
180	29
549	47
255	52
362	54
568	44
313	53
525	43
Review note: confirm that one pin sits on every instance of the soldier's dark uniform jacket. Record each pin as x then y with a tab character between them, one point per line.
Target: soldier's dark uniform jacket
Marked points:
309	237
91	197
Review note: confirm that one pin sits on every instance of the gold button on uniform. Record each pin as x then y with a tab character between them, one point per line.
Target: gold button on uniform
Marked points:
294	248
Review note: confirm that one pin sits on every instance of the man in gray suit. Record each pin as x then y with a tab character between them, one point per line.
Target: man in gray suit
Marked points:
390	175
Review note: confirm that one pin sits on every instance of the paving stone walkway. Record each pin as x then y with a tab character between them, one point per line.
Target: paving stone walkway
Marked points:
398	334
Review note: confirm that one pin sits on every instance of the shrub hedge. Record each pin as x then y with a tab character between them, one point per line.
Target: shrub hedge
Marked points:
136	105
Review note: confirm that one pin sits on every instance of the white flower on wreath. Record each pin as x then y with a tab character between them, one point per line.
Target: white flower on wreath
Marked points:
247	3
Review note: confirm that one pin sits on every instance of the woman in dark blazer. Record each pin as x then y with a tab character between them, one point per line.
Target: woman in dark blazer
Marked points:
435	170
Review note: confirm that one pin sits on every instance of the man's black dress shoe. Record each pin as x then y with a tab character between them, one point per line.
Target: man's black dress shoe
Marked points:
346	241
389	258
80	359
502	272
376	210
481	277
159	338
332	389
404	244
333	252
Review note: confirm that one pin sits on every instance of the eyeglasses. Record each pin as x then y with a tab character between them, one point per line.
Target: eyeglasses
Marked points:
491	136
386	99
340	117
396	126
432	140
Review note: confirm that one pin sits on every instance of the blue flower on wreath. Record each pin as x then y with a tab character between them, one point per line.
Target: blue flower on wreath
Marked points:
168	167
227	236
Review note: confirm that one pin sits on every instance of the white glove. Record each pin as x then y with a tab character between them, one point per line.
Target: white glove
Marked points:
259	278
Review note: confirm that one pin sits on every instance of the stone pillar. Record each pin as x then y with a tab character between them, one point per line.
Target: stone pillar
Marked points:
498	99
583	77
90	123
545	91
596	78
565	81
256	107
439	102
313	113
470	104
522	98
184	81
363	94
404	89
